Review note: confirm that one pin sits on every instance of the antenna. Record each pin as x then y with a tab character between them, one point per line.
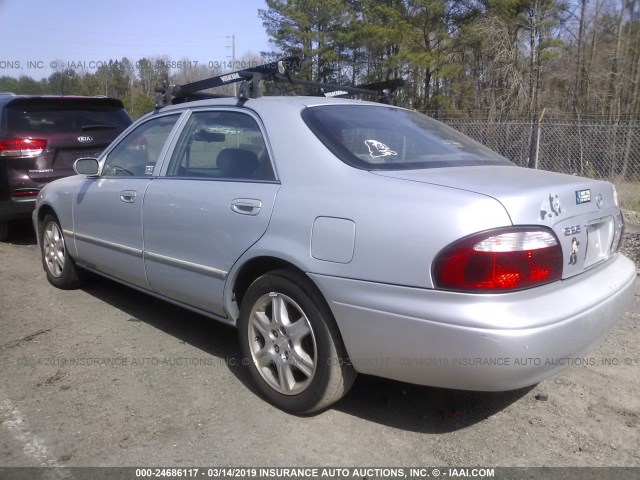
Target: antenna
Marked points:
233	58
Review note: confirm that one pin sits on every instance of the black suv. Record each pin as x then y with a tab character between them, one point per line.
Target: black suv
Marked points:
40	139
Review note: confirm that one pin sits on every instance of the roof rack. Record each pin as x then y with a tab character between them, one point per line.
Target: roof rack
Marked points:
278	71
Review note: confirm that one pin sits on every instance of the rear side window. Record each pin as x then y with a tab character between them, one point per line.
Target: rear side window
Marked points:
389	138
223	145
42	116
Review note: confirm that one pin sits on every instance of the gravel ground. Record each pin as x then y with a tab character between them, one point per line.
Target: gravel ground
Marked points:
631	245
151	412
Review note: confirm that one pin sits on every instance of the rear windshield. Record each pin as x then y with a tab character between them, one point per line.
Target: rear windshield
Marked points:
389	138
65	116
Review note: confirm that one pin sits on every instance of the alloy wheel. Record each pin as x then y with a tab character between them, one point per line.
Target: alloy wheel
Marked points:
54	249
282	343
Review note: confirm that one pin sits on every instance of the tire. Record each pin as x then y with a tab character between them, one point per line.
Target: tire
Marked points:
60	268
4	231
296	358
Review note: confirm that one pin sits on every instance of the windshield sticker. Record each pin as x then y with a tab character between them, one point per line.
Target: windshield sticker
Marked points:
378	149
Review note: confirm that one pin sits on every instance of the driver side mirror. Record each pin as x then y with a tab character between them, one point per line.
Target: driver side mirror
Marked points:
86	166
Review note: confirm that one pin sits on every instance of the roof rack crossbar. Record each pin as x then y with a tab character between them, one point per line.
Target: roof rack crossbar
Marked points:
325	88
177	93
279	71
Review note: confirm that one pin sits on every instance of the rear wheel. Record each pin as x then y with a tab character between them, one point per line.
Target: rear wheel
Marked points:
60	268
291	344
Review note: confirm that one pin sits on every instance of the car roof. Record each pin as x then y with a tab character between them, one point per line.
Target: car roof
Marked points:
6	98
299	102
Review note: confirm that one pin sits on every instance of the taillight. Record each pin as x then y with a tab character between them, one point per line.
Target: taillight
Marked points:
26	192
21	147
499	260
618	235
139	143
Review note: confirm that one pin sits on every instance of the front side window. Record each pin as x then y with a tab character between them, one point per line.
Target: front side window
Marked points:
389	138
137	154
221	145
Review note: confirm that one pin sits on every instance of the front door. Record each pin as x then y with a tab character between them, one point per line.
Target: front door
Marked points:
107	211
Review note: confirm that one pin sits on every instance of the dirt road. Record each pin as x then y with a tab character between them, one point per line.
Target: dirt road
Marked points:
107	376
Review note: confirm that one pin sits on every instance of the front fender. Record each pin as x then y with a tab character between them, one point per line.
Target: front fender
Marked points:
58	197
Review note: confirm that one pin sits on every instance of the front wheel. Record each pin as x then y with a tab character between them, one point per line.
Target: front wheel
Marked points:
291	344
60	268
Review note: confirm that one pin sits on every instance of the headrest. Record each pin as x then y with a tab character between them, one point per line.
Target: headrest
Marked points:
238	163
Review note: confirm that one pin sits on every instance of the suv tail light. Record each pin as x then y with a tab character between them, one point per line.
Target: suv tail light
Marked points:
500	260
21	147
139	143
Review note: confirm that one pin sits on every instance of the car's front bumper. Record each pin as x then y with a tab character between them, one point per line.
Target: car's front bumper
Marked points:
478	342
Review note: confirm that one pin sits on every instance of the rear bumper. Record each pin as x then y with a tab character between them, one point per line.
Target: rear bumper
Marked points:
478	342
16	209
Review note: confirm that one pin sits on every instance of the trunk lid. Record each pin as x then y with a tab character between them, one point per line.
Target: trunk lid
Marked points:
64	149
73	127
583	213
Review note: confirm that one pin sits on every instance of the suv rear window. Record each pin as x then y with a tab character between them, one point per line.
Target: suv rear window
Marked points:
389	138
60	115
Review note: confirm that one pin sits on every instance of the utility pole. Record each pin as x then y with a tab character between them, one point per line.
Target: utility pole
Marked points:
535	161
233	59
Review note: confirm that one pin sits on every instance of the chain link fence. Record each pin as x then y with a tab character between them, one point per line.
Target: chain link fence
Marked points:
596	150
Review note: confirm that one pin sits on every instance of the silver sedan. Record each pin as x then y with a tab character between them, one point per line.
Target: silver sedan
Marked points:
343	236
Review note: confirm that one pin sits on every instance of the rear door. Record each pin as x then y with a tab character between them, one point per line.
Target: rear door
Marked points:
213	202
107	210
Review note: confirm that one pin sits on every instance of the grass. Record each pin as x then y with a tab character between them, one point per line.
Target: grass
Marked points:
628	195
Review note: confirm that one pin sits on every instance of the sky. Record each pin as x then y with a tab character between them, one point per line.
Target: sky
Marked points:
39	36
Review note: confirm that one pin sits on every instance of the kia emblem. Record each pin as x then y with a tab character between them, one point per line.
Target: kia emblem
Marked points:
85	139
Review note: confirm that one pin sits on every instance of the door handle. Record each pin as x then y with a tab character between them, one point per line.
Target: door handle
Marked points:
128	196
246	206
